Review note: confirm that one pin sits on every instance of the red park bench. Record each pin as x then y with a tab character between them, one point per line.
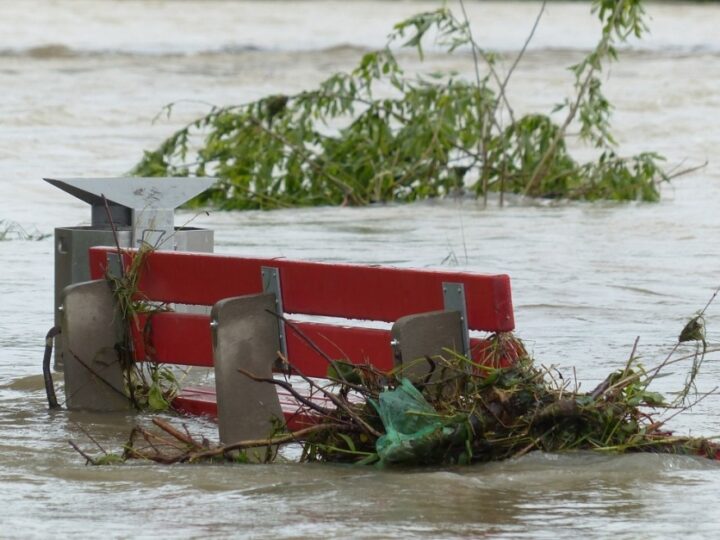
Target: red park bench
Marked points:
430	310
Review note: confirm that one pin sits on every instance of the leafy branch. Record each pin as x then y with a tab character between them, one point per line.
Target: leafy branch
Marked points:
378	134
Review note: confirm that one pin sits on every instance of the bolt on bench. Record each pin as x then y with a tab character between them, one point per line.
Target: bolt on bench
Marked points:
259	308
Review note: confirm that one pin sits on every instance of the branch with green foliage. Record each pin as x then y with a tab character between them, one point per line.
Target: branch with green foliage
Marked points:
377	134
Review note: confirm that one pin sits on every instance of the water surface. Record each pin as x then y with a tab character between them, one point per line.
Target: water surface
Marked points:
82	82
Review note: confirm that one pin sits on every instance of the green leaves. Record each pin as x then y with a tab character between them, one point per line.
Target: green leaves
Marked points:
624	18
378	135
155	386
419	25
343	372
156	400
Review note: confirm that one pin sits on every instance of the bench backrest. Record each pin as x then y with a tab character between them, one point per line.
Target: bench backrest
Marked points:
345	291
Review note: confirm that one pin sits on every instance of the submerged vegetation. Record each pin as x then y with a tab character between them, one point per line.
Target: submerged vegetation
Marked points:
380	134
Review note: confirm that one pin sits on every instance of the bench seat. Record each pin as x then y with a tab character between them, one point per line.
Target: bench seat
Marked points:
202	401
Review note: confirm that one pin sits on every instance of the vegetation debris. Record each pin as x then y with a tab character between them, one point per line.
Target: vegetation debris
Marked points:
379	134
461	412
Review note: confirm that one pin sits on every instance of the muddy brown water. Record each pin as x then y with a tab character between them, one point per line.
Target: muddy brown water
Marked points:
81	83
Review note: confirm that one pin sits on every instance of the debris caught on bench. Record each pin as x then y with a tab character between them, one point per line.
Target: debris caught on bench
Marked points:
489	413
150	385
440	409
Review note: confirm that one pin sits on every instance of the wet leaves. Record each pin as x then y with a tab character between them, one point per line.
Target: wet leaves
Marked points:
377	134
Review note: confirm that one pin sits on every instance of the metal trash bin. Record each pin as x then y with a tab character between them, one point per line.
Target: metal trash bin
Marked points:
141	209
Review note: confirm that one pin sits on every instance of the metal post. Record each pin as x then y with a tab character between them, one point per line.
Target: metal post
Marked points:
454	300
271	284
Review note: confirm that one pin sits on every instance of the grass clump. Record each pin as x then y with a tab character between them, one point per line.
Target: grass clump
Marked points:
148	384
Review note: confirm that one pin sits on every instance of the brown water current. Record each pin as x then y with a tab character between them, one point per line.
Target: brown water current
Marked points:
81	83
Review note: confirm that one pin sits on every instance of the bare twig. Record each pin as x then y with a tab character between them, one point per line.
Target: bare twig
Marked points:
602	48
87	434
674	174
686	407
290	437
88	459
331	396
504	84
287	386
166	427
712	299
115	235
197	453
477	50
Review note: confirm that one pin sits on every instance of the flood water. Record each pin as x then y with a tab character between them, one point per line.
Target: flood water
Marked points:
80	85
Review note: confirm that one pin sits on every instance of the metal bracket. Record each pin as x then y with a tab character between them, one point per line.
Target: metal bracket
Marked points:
396	350
454	300
113	265
271	284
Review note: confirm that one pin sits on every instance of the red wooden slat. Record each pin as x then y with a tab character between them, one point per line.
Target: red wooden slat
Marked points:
200	401
185	339
355	344
350	291
175	338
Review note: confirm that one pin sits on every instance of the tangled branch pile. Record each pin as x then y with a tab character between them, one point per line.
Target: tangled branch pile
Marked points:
461	412
378	134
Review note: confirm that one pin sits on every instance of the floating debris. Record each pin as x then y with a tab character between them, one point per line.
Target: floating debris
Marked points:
461	412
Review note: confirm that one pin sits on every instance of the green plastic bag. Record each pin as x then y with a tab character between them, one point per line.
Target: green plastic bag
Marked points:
413	430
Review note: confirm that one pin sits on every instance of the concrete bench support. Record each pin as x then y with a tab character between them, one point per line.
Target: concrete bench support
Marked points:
90	331
426	335
245	335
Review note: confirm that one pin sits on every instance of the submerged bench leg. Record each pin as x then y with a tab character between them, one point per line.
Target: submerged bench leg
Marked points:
422	336
245	336
90	331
